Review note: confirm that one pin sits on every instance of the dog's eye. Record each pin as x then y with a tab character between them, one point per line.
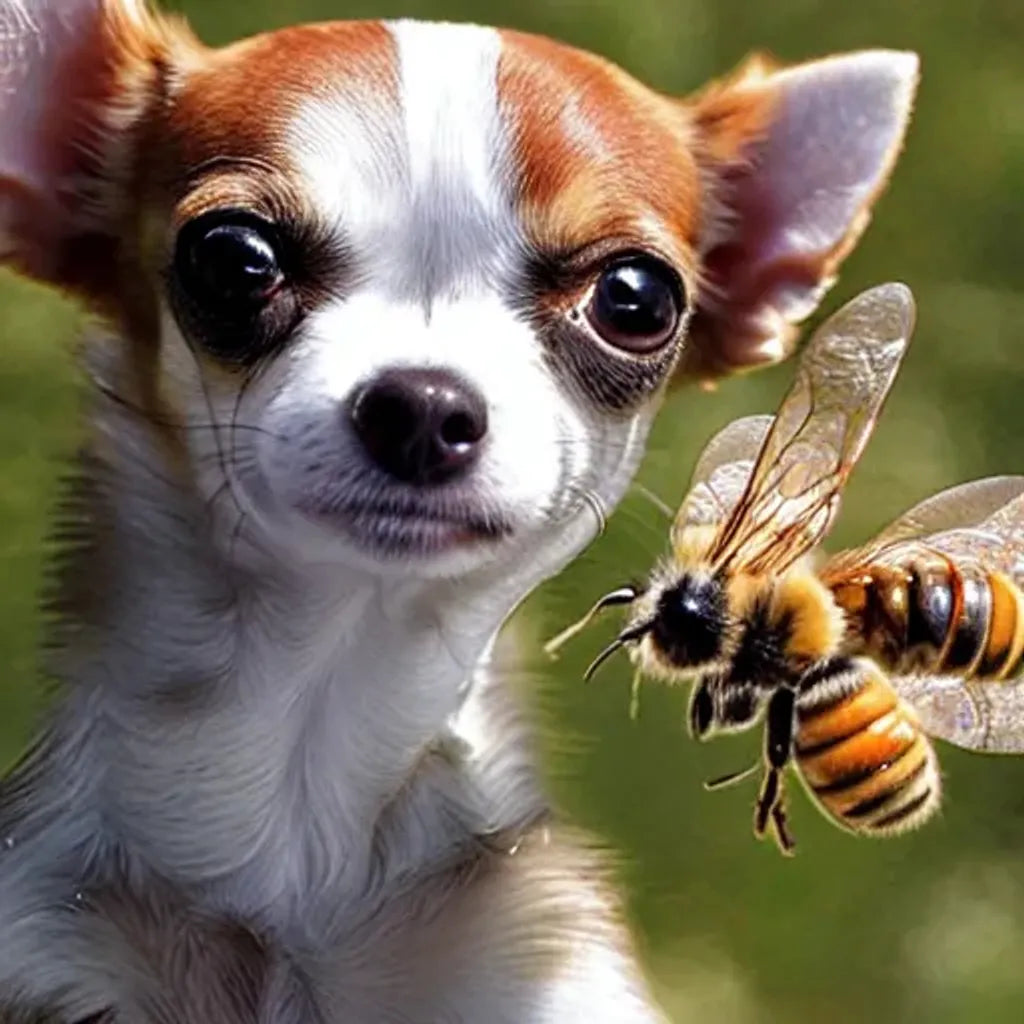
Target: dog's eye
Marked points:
230	267
636	304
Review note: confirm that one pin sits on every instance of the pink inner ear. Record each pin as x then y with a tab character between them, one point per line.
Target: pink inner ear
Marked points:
39	42
801	203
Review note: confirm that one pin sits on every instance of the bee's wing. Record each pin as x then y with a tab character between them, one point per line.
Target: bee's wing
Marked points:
722	473
954	517
792	492
996	544
987	717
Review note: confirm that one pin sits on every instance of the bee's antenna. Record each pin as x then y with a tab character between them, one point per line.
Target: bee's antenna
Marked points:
625	637
602	658
624	595
732	778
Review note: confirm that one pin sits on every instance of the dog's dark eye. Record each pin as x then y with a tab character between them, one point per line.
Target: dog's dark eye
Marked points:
234	284
636	304
229	267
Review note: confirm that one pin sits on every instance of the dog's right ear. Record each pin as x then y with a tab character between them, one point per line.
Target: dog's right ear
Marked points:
76	79
794	160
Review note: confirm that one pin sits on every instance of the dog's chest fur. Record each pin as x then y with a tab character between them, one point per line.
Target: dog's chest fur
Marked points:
412	937
427	951
239	849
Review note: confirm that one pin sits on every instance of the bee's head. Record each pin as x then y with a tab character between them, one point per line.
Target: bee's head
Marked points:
690	622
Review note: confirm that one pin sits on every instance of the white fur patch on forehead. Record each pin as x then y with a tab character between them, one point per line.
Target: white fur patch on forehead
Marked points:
349	147
462	227
448	76
419	186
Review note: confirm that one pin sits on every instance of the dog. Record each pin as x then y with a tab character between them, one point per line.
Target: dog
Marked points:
383	312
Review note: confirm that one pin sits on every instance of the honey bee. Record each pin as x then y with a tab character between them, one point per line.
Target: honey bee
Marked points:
852	664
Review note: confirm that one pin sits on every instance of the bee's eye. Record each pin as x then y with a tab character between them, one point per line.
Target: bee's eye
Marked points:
228	266
637	304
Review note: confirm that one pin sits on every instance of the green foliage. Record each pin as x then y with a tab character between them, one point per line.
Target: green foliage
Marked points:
926	928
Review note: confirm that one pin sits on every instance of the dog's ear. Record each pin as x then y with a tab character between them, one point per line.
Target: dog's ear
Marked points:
77	78
794	159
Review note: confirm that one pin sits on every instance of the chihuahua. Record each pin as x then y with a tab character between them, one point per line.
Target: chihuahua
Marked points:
383	312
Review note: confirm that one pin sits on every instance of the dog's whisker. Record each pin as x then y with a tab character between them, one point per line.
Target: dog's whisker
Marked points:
212	425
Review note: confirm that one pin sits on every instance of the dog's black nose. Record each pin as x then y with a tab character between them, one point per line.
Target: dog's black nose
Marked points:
422	426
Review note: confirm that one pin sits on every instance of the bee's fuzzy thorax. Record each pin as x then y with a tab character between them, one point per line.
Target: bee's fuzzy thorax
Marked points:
745	591
814	622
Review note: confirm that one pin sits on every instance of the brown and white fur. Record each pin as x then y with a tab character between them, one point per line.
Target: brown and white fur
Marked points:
281	783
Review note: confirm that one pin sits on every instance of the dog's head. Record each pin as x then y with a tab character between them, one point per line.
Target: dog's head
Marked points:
426	281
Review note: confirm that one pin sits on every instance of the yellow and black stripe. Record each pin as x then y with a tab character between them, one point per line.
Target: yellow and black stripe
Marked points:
862	754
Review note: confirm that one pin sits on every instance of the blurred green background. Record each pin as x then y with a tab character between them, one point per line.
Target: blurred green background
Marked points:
929	927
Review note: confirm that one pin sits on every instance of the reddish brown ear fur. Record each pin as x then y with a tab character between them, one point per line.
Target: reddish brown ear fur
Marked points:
83	76
732	114
794	159
732	117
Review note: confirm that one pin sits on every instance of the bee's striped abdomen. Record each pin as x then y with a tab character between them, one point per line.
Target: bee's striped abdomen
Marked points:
935	618
933	605
862	754
969	626
1004	645
982	614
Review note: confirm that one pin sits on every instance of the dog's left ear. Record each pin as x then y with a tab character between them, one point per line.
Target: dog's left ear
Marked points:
794	159
78	79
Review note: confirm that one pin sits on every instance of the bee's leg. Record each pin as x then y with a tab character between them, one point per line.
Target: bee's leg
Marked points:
770	807
701	713
768	799
731	779
718	702
780	721
634	695
780	828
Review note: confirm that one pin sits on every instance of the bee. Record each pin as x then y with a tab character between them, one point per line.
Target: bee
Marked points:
850	665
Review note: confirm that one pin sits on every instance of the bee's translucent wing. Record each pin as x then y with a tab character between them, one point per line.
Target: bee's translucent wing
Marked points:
819	432
987	717
722	472
949	521
965	505
996	544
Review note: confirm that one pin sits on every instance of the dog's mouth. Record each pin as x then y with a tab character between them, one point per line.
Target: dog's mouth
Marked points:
401	525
